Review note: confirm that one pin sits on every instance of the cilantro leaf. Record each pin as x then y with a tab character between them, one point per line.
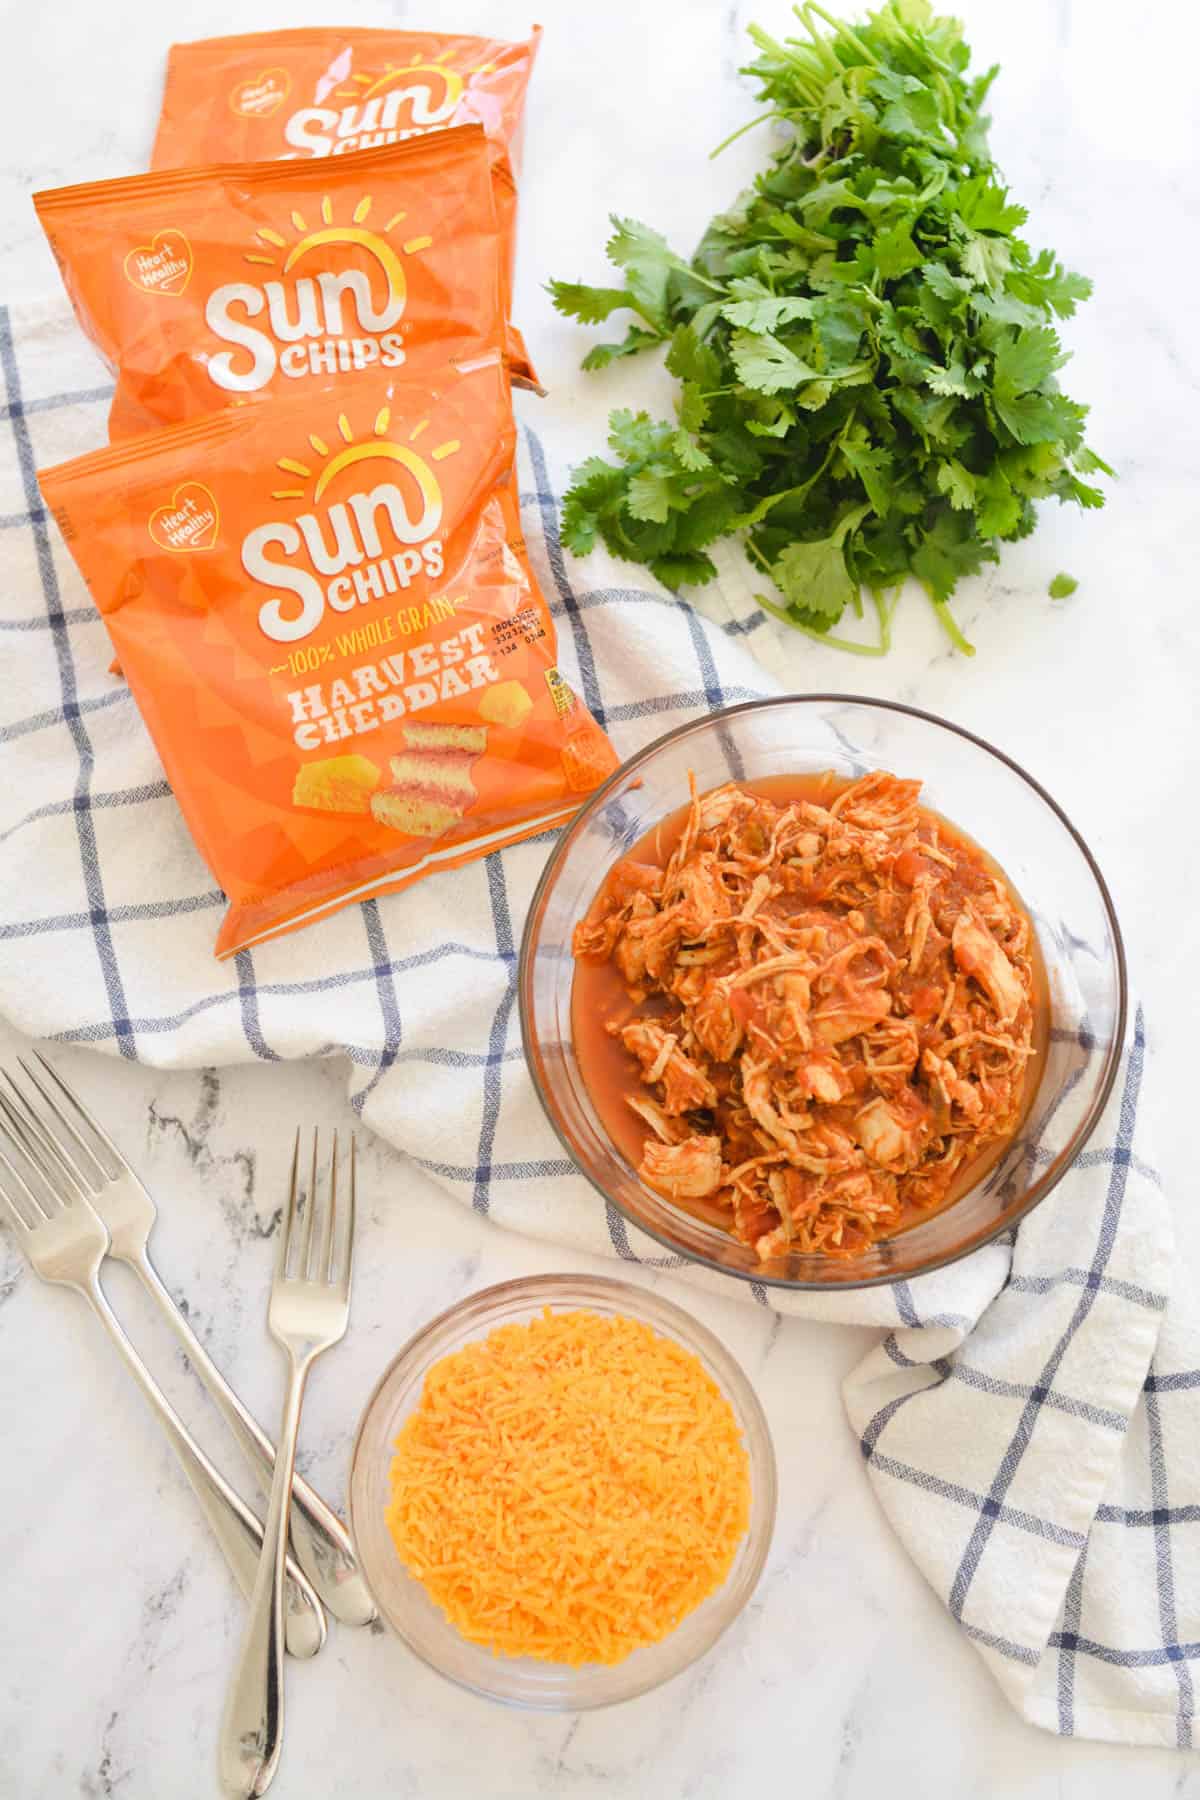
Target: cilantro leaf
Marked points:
649	496
803	236
709	517
635	435
839	322
1004	309
693	361
768	312
632	242
983	205
957	483
635	339
1086	461
763	362
953	289
772	417
1084	495
935	419
986	260
999	508
595	483
684	569
894	251
912	111
822	199
955	379
950	549
596	486
1039	418
1062	587
873	465
590	305
688	453
1025	361
693	407
1044	282
578	526
814	579
648	262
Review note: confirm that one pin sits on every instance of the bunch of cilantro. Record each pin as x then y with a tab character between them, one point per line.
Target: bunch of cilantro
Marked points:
865	346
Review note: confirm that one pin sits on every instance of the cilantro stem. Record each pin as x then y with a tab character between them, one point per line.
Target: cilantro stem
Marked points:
806	79
772	113
821	49
821	637
885	608
949	109
842	30
950	626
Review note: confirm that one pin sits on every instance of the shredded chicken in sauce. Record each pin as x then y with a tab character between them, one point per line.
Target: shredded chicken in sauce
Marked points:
830	1006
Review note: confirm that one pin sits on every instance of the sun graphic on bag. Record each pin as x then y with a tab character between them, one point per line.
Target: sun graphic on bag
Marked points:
330	459
432	89
278	252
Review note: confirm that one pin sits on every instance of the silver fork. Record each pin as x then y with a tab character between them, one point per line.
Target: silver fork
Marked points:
319	1540
309	1308
66	1241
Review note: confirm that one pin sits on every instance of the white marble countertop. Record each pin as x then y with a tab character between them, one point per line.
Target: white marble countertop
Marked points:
844	1677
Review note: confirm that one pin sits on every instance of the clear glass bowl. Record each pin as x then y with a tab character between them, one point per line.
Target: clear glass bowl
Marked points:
404	1603
974	786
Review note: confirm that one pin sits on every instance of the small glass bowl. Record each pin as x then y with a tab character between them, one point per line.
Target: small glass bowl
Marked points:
975	787
404	1603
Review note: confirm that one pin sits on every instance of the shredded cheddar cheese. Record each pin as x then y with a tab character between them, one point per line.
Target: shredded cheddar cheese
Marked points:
569	1489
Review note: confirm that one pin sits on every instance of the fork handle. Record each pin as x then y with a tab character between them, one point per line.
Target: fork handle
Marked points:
234	1526
252	1726
320	1541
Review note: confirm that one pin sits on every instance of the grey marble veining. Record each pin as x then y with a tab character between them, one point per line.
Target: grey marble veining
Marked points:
843	1679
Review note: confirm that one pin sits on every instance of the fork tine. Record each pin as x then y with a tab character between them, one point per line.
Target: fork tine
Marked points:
12	1212
120	1166
304	1261
19	1219
287	1224
24	1136
53	1161
324	1268
348	1252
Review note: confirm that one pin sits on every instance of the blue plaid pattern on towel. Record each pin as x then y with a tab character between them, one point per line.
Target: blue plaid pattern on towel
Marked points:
1029	1417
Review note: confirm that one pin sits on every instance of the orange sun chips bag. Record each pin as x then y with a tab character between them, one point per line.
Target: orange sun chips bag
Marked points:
326	613
206	287
323	91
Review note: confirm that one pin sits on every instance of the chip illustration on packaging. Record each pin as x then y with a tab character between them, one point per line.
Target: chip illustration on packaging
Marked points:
431	779
204	288
319	93
324	666
506	704
336	784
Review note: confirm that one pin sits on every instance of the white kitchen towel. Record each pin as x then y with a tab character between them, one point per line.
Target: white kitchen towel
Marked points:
1031	1417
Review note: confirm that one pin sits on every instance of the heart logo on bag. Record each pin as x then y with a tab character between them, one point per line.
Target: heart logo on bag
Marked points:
188	521
262	95
163	266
